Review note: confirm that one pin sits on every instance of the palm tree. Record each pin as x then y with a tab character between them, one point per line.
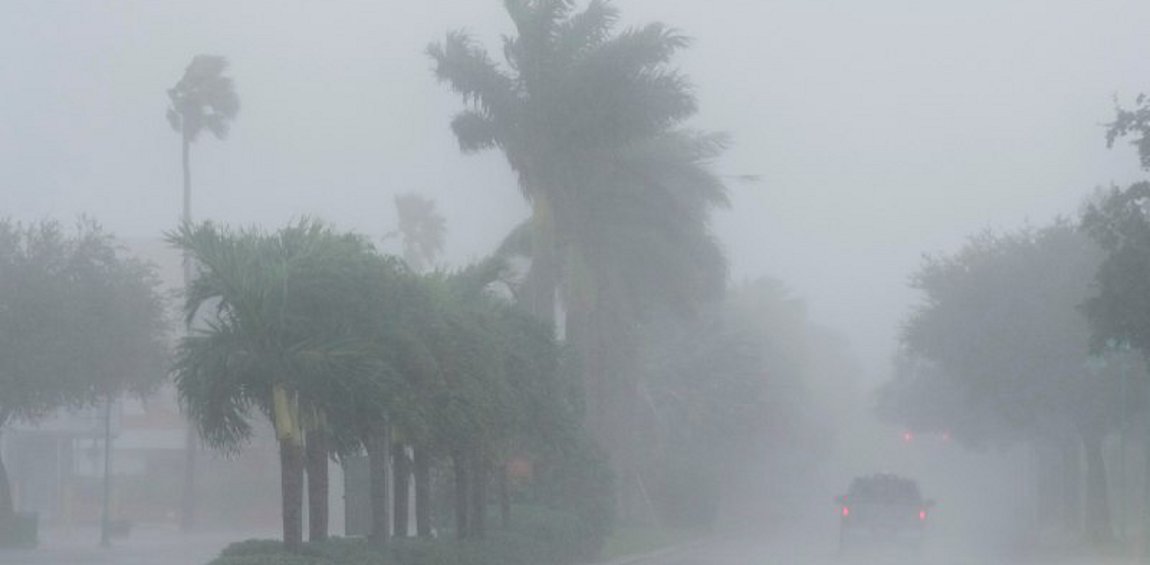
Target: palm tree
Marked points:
591	120
286	332
422	228
203	99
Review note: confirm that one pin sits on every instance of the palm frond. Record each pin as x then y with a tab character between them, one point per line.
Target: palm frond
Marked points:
585	31
474	131
469	71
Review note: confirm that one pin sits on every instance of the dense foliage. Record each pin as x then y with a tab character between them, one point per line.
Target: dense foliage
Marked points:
345	350
1000	350
79	323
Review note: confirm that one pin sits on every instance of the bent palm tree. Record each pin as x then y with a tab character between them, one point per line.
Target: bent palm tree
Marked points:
203	99
590	120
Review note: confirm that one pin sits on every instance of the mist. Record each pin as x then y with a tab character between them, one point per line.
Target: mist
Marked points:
866	143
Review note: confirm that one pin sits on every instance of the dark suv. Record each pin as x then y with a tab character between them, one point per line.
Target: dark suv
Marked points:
884	508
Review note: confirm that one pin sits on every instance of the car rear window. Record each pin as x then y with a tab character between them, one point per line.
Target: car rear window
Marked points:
887	489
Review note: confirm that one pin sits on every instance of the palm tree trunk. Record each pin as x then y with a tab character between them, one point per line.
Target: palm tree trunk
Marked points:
188	500
459	464
317	486
7	506
186	155
422	493
378	452
1071	486
402	491
504	497
543	278
477	527
291	483
1097	506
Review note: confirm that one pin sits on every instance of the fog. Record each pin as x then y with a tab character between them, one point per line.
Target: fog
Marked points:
864	135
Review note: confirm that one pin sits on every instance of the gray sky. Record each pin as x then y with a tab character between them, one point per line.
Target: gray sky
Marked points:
882	130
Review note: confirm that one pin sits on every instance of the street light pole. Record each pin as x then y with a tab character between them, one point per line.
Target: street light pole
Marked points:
105	515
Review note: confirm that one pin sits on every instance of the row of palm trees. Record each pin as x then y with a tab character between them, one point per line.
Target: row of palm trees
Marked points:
345	349
592	121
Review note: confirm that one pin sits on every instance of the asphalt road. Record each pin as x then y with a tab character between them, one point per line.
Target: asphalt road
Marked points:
804	550
806	542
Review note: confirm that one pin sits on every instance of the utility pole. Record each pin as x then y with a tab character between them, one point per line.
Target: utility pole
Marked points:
105	514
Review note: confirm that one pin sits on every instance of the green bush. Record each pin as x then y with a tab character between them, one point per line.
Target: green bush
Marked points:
577	481
253	547
538	536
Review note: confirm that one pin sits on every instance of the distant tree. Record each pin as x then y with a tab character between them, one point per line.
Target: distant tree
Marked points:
1135	122
591	121
743	383
1119	220
79	324
203	99
1002	319
422	230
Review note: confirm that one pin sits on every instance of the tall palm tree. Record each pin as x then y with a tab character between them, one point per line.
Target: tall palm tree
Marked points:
203	99
284	333
591	121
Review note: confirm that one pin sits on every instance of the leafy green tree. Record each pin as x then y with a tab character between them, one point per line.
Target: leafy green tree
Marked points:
79	324
285	330
590	120
1001	319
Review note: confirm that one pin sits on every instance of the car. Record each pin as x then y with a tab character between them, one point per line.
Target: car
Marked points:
883	508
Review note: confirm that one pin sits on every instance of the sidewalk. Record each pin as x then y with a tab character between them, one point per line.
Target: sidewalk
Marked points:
145	546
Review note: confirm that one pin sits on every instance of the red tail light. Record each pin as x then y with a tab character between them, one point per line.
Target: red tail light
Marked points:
922	515
846	511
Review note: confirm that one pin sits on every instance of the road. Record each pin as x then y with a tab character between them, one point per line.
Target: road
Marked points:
814	543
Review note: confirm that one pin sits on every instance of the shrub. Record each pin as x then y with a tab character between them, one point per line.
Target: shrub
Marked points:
539	536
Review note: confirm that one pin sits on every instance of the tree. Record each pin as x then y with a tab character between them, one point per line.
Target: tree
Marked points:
1001	320
591	122
1135	123
422	229
286	330
203	99
1119	310
79	324
737	385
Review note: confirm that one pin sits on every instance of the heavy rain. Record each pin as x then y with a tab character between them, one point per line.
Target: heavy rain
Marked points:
574	282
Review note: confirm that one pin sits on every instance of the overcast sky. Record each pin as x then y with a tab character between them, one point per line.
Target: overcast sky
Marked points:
881	130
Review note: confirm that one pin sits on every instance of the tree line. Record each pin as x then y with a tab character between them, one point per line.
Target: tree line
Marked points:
1040	336
599	341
